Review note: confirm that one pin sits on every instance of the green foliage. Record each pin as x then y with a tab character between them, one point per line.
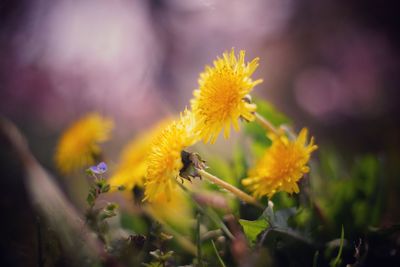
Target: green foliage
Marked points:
99	187
160	258
110	210
222	168
92	196
298	228
278	219
293	230
135	223
354	196
253	228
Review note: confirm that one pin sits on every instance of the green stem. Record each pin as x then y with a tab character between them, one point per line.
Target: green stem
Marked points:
266	124
210	213
199	257
211	234
234	190
221	262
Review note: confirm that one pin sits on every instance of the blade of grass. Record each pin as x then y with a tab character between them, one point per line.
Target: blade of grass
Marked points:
218	256
315	259
337	260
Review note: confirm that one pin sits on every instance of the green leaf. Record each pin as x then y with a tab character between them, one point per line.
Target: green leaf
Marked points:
253	228
89	172
279	218
105	188
109	211
111	206
92	196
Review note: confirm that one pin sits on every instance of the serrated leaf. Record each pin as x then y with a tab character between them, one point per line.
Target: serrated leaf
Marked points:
253	228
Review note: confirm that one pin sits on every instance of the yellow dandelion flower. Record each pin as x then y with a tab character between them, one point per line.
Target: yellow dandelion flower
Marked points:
219	100
79	144
164	160
282	166
132	167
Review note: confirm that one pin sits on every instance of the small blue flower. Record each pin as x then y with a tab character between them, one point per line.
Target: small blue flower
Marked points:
99	169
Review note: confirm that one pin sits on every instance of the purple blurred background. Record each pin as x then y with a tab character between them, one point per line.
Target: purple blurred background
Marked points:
330	65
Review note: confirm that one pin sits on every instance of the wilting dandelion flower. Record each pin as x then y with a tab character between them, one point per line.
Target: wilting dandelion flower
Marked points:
282	166
164	161
220	99
132	167
79	144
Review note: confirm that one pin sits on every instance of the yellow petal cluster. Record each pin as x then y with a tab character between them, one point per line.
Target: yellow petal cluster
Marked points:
79	144
282	166
219	101
132	168
164	160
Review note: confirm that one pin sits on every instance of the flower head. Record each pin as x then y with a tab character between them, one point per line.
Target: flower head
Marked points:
282	166
99	168
132	168
164	161
79	144
220	99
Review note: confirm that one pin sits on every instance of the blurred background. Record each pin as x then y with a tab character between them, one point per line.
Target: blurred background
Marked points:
332	66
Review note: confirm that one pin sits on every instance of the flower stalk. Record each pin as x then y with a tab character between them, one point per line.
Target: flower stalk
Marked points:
266	124
234	190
